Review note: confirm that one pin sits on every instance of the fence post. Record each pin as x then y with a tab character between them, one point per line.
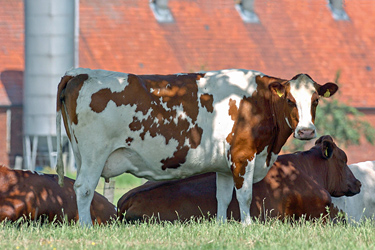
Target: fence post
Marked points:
109	190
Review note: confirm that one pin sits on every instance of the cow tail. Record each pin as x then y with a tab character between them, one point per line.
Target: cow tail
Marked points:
60	163
59	108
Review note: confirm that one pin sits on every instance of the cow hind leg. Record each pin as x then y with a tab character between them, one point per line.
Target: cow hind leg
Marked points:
224	193
84	187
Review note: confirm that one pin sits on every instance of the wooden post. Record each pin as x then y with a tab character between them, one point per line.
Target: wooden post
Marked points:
109	190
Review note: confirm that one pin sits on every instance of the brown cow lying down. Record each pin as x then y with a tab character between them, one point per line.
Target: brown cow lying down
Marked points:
297	184
39	196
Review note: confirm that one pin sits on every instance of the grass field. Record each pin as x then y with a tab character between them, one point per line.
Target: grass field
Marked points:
272	234
191	235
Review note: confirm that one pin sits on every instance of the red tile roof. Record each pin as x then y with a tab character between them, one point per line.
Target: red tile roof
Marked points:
292	37
11	52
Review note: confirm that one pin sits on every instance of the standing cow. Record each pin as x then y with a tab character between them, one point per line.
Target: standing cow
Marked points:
233	122
299	184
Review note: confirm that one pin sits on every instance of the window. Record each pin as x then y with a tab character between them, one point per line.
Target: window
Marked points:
337	9
246	10
161	11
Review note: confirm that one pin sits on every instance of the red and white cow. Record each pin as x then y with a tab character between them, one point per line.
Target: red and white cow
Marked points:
37	196
361	206
233	122
297	185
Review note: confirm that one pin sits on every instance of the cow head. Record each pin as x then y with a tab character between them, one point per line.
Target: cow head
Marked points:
339	179
299	99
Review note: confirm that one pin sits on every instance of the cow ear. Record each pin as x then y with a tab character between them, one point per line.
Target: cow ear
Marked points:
327	149
277	88
328	89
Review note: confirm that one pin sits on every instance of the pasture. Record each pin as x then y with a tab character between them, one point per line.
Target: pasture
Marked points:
272	234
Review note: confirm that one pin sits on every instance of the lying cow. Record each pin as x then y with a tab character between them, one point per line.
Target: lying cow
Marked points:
233	122
360	206
297	184
38	196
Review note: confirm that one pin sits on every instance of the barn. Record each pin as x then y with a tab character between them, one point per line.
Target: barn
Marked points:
280	38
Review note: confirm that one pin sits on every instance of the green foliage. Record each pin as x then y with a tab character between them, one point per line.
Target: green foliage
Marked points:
343	122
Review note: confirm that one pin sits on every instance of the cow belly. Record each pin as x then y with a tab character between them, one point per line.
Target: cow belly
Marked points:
130	161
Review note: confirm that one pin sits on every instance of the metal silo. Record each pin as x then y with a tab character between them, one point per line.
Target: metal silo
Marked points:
50	45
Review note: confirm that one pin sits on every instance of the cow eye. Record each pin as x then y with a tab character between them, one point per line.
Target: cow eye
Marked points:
290	103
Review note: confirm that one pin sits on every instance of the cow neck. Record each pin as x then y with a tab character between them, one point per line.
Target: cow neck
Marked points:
314	169
281	132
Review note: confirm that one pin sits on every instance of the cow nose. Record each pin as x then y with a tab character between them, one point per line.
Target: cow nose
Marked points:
358	184
306	133
354	189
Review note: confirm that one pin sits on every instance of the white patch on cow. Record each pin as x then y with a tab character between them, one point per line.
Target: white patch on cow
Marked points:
302	90
181	114
240	82
255	171
164	104
98	78
225	85
261	166
360	206
244	194
141	116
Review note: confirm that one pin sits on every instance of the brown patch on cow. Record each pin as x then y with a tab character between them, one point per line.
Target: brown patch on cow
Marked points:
238	181
68	91
206	102
179	157
255	126
233	113
243	146
70	95
129	140
233	110
161	96
314	104
135	125
195	136
61	91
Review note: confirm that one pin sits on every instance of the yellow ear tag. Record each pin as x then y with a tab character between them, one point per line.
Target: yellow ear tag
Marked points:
279	93
327	93
326	152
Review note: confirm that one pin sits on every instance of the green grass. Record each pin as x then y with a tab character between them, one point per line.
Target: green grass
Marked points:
205	235
272	234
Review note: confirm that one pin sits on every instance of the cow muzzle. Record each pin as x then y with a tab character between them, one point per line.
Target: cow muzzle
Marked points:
354	188
305	133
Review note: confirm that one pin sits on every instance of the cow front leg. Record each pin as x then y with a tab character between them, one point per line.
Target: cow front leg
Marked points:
244	193
224	193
